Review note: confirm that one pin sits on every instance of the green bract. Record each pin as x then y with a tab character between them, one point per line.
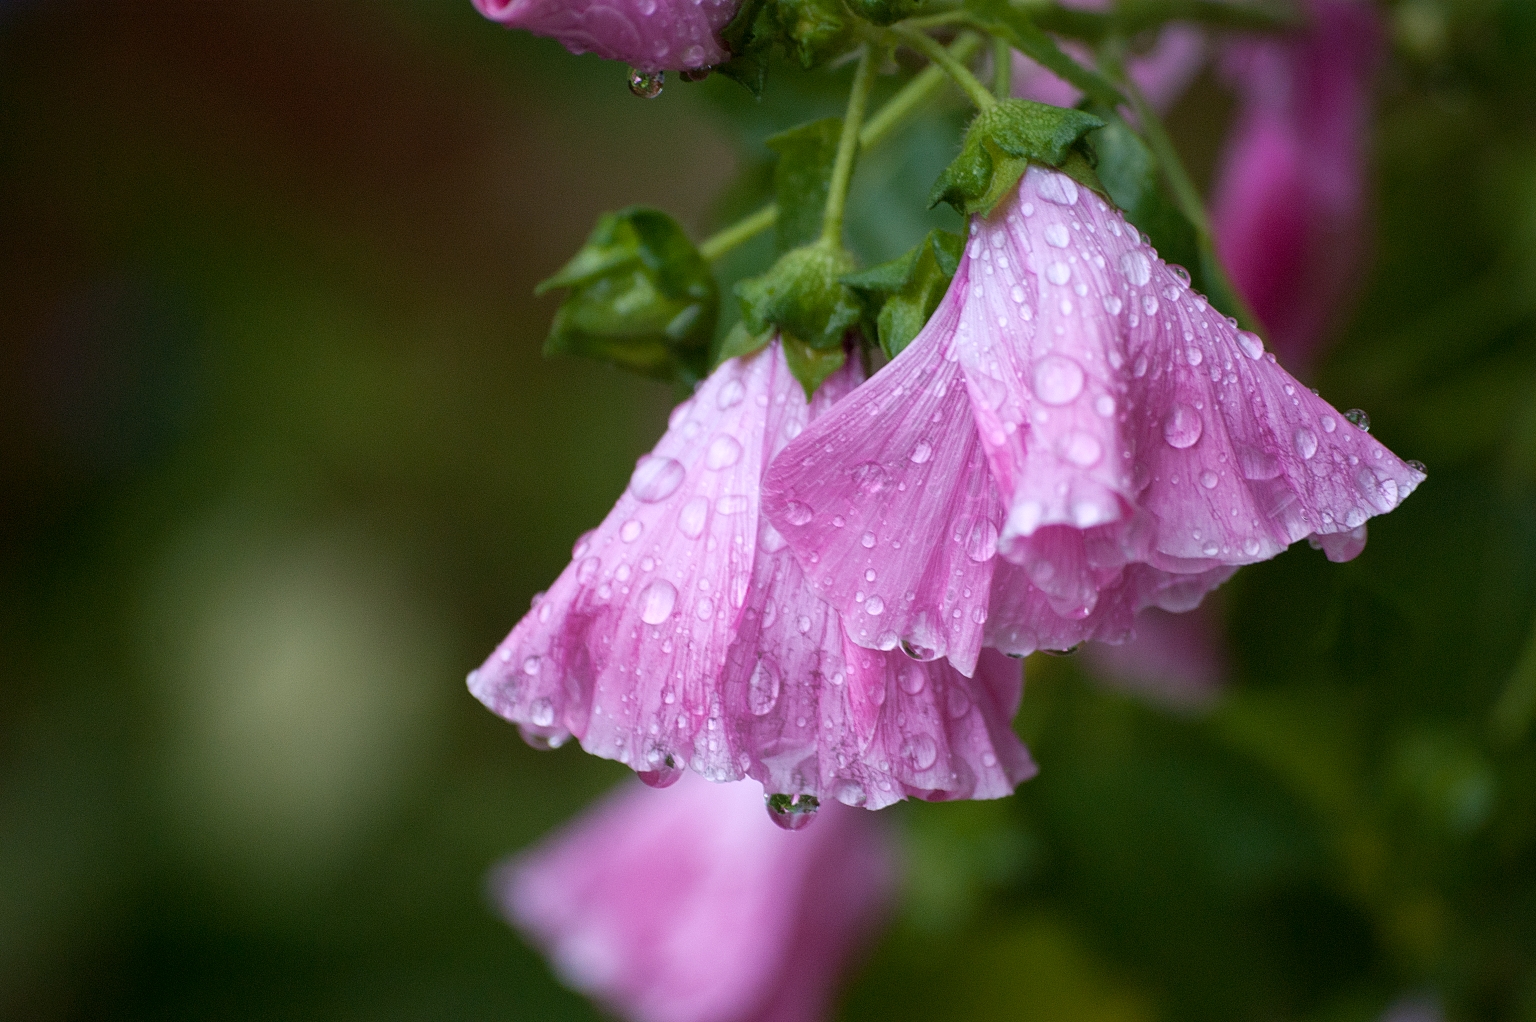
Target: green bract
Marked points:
886	12
803	297
1000	144
640	297
912	287
810	31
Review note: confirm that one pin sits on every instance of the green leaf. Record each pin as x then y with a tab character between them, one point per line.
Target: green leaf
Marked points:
814	31
801	179
802	297
749	36
640	297
912	287
1000	144
811	366
886	12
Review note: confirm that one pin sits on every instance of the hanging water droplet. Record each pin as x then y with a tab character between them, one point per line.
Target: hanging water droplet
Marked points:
646	84
695	74
541	712
542	742
1360	420
792	812
1418	466
664	776
1062	652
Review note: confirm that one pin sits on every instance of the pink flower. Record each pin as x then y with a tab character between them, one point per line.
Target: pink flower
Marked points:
1162	72
1290	192
683	634
1140	448
687	905
649	35
1175	659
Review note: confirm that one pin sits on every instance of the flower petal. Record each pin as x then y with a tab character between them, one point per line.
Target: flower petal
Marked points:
649	34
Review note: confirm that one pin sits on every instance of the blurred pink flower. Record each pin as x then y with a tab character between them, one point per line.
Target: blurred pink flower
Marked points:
687	905
1162	73
1289	198
1140	447
684	634
649	35
1176	659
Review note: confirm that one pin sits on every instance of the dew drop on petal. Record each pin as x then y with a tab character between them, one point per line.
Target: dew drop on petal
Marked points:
724	451
874	606
981	544
870	477
792	812
1081	449
657	601
1057	380
921	453
541	712
631	530
587	569
1058	273
958	702
1306	443
1417	466
924	752
662	777
1208	479
1136	267
1183	427
1113	304
656	478
1057	236
1194	355
693	517
732	504
1251	344
1149	303
867	541
730	395
1359	419
762	688
1056	187
797	513
1104	405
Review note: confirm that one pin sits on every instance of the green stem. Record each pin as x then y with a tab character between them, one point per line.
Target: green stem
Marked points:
887	119
1022	34
1131	17
1002	68
1513	712
935	51
739	233
848	147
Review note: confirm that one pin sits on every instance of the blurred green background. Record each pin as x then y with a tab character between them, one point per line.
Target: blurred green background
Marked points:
280	461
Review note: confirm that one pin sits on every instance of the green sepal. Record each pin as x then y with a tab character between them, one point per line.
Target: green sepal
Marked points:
886	12
749	35
741	341
640	297
1131	177
912	287
998	147
803	297
812	366
802	177
814	31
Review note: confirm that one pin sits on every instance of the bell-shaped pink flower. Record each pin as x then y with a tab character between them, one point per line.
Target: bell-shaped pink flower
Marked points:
687	905
1176	659
1289	199
1140	448
684	634
649	35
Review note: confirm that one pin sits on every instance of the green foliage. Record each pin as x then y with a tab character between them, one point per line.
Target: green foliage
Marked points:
909	289
803	297
810	32
801	179
640	297
886	12
1000	144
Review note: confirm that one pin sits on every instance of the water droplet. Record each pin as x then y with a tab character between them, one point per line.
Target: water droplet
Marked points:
664	776
631	530
540	741
1081	449
1208	479
531	666
1180	273
1053	186
733	504
1194	355
1182	428
1251	546
1251	344
1329	425
587	569
704	609
870	477
1017	294
924	752
1113	304
724	451
693	517
1136	267
1104	405
792	812
1062	652
1360	420
1058	273
1418	466
1057	236
730	395
981	544
541	712
1257	464
762	688
1149	303
921	453
657	601
796	513
656	478
1306	443
646	84
1139	369
957	703
1057	379
874	606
